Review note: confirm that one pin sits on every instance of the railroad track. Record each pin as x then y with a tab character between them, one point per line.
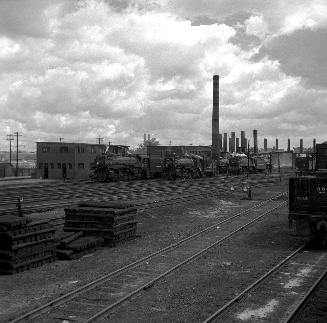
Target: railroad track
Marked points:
312	306
277	295
95	300
41	198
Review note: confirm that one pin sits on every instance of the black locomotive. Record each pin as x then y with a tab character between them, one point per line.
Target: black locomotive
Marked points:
111	167
308	197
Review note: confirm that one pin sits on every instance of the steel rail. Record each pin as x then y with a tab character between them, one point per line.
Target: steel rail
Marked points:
253	285
64	298
102	313
305	298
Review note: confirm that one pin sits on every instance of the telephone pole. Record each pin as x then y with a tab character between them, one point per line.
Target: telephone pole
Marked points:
100	140
10	138
17	135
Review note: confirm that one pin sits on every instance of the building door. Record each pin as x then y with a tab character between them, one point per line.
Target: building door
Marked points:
46	171
64	171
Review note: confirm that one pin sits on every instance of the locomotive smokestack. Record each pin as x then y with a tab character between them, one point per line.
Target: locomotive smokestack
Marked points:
215	149
255	141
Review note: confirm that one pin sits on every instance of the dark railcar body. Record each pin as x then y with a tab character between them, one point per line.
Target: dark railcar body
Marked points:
308	197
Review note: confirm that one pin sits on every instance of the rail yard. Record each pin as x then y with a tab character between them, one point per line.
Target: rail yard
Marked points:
176	235
204	251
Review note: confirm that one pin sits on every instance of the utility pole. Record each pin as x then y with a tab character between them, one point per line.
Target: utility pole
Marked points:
100	140
10	138
248	159
60	139
17	135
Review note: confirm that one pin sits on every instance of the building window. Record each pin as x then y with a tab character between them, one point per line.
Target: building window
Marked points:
51	165
80	150
40	165
70	166
64	149
59	165
80	165
45	149
93	150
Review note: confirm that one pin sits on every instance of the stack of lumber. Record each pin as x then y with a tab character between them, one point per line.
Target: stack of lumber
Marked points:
113	221
74	245
25	244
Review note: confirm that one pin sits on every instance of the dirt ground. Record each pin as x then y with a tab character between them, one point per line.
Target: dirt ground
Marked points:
270	238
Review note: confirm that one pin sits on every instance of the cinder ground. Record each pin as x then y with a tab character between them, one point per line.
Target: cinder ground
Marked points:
156	229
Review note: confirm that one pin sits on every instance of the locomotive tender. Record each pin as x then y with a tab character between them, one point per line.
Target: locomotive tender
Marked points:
308	198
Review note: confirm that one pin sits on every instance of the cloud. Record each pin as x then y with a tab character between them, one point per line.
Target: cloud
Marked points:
121	69
302	53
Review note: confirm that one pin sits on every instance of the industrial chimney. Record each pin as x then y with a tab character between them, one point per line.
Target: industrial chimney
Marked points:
301	146
225	142
255	141
314	146
265	145
243	144
288	144
276	144
215	149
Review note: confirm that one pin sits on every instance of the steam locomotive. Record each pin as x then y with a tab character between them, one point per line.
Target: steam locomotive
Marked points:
308	198
111	167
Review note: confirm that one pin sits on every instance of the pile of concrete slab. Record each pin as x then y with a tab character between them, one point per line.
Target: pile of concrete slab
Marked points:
25	244
113	221
74	245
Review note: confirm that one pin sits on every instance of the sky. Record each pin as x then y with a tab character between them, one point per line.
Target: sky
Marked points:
118	69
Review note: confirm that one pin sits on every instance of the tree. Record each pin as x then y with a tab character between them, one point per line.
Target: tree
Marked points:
142	148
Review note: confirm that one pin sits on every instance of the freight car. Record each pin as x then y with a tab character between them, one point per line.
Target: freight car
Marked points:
308	199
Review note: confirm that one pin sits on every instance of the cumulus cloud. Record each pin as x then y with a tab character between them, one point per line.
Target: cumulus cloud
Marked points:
120	69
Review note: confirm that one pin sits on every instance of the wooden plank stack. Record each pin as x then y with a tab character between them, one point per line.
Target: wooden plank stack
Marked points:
113	221
25	244
74	245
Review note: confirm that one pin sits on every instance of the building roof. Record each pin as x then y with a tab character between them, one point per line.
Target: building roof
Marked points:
69	143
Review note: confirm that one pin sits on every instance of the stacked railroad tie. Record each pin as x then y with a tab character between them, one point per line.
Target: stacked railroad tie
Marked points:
25	244
74	245
113	221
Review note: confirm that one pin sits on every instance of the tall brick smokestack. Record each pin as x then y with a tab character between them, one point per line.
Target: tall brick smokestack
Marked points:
255	141
225	142
215	149
301	146
243	144
265	144
314	146
288	144
276	144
